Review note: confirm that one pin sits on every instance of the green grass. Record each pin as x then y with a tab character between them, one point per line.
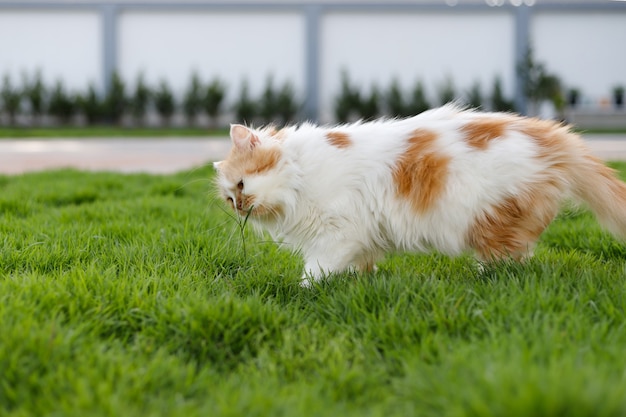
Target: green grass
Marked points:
105	131
133	296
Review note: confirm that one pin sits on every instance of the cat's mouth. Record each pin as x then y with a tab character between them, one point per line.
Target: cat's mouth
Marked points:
244	206
260	212
245	212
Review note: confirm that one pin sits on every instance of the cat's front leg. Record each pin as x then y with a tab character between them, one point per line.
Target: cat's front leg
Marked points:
322	264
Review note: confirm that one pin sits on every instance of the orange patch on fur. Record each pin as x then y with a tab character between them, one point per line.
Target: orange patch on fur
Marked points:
421	172
256	161
264	160
479	132
339	139
511	229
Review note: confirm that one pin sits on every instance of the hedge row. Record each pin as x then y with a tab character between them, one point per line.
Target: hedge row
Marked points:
276	104
352	103
36	100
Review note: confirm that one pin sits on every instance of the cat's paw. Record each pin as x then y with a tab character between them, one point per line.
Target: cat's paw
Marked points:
308	280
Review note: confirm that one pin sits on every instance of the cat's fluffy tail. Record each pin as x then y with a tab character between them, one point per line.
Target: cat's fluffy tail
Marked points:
598	186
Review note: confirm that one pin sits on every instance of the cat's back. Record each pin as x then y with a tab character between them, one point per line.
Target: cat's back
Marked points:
447	145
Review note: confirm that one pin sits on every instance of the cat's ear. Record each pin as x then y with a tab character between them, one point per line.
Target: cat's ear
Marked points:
243	138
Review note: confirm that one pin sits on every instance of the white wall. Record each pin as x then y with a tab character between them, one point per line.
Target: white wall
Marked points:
587	50
374	48
64	45
233	47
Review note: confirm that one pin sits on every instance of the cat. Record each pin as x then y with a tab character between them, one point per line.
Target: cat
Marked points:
449	179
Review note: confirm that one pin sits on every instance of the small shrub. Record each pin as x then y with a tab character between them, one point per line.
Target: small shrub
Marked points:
498	101
475	96
62	105
286	104
90	105
213	99
140	100
349	100
192	102
538	83
245	108
164	102
396	104
618	96
418	103
11	99
34	92
115	102
446	91
369	107
573	97
268	104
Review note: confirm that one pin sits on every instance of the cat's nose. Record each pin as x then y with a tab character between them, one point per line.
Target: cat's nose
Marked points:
240	204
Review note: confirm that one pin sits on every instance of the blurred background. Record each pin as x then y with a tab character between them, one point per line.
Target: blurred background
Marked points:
209	63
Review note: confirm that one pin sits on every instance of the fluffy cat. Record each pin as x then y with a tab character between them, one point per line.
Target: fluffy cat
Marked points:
449	180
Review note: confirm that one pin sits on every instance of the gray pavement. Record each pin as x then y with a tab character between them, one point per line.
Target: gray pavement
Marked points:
157	156
164	156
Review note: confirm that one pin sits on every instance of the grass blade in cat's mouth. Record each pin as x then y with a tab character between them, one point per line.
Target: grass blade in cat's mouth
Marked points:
247	212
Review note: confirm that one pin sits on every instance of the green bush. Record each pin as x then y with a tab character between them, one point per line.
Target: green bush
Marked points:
268	103
474	97
34	92
245	108
447	91
396	104
164	102
286	104
140	100
369	107
349	100
62	104
498	101
419	103
90	105
192	101
115	102
11	99
538	83
213	100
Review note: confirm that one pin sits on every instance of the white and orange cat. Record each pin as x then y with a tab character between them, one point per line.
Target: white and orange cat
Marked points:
449	180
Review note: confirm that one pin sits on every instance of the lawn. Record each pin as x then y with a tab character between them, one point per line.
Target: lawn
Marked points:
137	295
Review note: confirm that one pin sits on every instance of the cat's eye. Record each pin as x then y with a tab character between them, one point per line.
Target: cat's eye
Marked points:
240	185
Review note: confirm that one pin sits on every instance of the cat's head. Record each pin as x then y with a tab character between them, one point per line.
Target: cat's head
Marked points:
252	179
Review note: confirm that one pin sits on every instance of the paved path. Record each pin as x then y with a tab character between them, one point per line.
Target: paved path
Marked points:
158	156
163	156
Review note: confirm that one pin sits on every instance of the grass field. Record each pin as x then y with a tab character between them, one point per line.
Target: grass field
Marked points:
136	296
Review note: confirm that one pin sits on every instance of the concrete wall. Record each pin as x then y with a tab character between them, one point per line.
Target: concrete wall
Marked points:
64	44
375	48
586	49
231	46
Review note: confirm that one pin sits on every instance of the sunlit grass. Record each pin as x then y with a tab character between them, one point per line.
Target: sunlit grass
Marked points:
132	295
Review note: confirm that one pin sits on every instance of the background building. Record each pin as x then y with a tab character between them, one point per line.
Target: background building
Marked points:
309	44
